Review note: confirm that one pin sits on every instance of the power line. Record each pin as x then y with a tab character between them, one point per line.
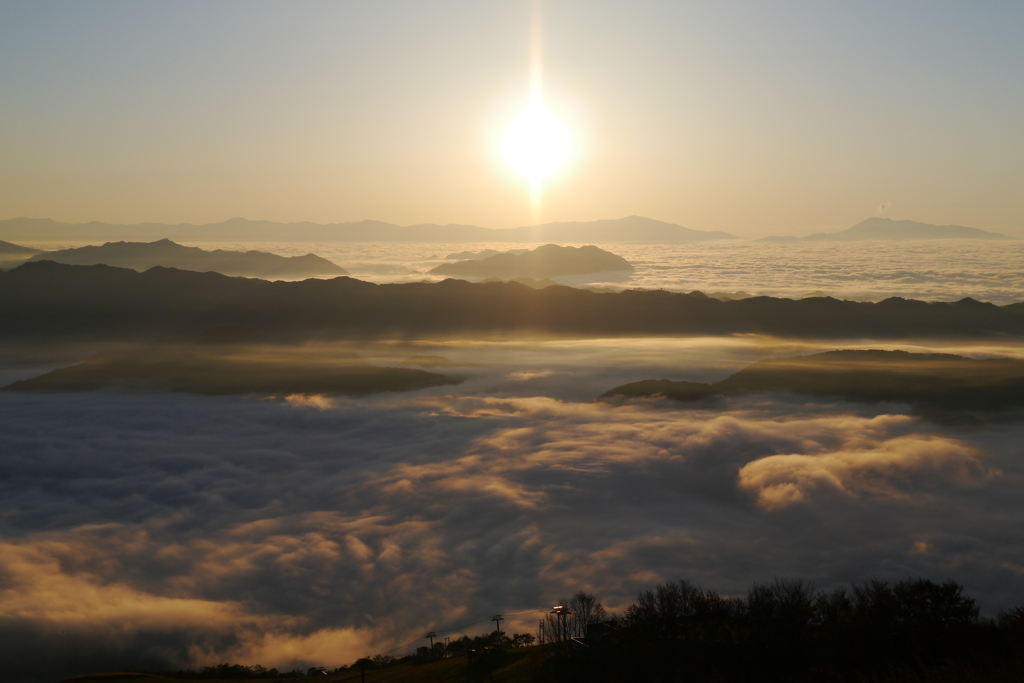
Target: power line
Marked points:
477	623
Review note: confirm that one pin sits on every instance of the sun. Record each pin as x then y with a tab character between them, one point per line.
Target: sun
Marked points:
536	144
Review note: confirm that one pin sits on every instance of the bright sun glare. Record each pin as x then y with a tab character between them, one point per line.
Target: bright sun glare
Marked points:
536	144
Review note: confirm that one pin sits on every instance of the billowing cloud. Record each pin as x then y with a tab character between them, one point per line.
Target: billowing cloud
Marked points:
311	401
218	601
169	530
890	469
37	589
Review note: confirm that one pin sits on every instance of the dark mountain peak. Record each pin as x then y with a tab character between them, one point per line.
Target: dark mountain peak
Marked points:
549	260
887	229
9	248
968	302
157	271
143	256
45	299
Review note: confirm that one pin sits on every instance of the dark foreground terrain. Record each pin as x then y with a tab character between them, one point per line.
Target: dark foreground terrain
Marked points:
46	300
783	631
519	665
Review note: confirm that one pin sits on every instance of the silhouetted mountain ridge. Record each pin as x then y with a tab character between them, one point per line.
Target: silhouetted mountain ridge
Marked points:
12	255
164	252
50	300
6	248
549	260
890	230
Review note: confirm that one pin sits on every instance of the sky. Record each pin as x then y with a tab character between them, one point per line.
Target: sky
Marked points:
753	118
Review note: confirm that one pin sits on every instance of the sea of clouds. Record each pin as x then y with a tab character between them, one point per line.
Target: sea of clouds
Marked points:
159	530
930	270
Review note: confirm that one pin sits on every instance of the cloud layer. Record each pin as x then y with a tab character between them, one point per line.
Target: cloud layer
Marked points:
160	530
906	463
932	270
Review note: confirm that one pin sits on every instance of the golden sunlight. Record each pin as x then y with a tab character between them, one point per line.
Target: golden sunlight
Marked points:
536	144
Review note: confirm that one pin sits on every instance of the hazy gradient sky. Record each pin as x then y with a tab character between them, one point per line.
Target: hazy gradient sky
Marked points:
752	117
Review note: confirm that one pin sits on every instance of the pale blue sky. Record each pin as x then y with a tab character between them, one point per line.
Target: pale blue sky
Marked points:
747	117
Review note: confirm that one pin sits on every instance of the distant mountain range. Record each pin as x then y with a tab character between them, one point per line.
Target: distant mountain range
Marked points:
8	249
633	229
145	255
549	260
890	230
13	254
50	301
629	230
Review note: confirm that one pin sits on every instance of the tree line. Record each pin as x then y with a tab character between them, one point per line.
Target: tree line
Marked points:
786	630
779	632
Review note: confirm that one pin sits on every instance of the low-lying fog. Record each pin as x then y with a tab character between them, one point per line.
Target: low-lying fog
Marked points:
931	270
147	530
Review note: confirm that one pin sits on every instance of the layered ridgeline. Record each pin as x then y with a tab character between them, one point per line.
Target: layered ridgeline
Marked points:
889	230
546	261
53	301
8	249
14	254
145	255
931	380
632	229
628	230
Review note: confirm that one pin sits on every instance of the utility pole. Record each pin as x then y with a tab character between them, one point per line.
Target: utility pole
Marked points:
561	612
497	619
431	636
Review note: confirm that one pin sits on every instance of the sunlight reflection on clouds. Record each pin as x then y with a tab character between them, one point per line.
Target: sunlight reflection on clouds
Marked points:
932	270
281	532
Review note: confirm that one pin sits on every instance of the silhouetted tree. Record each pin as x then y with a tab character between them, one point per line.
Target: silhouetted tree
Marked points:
584	609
